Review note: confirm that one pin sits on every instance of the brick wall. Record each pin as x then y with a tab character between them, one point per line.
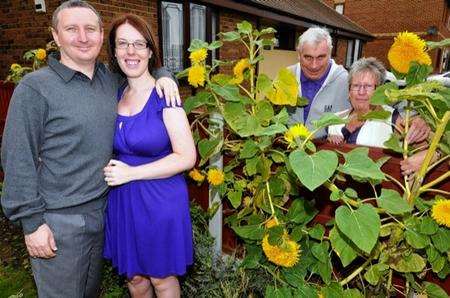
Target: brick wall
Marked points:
386	18
23	29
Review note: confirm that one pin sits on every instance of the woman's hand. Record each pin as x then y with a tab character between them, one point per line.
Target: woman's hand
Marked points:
335	139
117	173
418	131
170	89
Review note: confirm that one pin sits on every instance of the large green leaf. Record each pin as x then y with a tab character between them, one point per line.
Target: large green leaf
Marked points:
207	148
376	115
274	292
320	251
301	211
392	202
230	36
317	232
285	89
409	263
235	198
416	240
253	254
271	130
328	119
244	27
394	143
352	293
252	232
417	73
359	165
374	273
362	225
282	117
342	246
197	44
264	111
334	290
201	98
263	83
441	240
313	170
249	149
229	93
379	96
428	226
434	291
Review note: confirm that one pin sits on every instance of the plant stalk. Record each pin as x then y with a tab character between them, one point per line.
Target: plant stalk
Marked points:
356	272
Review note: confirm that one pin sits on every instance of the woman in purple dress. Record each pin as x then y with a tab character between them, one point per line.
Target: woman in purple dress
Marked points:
148	233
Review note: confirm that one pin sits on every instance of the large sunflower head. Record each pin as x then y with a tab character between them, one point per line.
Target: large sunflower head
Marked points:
407	47
198	56
40	54
285	254
238	71
215	177
441	212
196	75
296	131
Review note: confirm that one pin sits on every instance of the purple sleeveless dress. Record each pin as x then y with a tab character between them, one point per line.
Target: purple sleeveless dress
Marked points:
148	227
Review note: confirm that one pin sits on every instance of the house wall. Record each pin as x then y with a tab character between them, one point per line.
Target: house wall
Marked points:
386	18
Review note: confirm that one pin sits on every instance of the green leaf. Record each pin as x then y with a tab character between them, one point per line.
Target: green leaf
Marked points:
273	292
428	226
409	263
263	83
441	240
197	44
320	251
250	166
362	226
249	149
394	143
313	170
301	211
359	165
317	232
253	254
200	99
207	148
416	240
282	117
235	198
376	115
295	275
215	45
252	232
323	269
417	73
342	246
379	97
434	291
329	119
392	202
334	290
264	111
374	273
285	90
228	92
268	30
275	235
271	130
244	27
352	293
230	36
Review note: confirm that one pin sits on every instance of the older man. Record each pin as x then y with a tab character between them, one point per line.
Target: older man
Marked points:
325	84
322	81
57	139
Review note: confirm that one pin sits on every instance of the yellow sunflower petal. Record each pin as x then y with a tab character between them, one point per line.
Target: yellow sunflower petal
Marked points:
196	175
198	56
441	212
407	47
40	54
196	75
286	255
215	177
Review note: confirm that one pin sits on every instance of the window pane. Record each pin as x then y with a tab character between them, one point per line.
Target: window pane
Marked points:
339	8
198	21
349	57
356	51
213	32
172	35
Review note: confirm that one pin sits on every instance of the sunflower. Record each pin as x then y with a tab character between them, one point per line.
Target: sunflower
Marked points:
198	56
40	54
407	47
238	71
296	131
286	254
215	177
196	175
196	75
15	67
441	212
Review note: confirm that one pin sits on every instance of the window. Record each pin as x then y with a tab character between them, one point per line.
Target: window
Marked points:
175	37
172	36
339	8
353	52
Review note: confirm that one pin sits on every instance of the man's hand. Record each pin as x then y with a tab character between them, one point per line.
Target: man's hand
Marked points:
170	89
418	131
335	139
41	244
117	173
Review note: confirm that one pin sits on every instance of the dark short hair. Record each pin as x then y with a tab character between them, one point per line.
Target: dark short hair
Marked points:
140	25
74	4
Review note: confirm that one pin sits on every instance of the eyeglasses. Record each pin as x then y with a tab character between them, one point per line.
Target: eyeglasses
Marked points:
365	87
137	44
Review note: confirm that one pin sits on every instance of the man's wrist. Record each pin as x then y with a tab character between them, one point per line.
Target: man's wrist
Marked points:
31	223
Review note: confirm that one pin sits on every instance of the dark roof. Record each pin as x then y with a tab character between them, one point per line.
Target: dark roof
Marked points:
314	11
304	13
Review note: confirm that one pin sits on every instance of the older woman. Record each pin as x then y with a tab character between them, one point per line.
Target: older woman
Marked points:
364	76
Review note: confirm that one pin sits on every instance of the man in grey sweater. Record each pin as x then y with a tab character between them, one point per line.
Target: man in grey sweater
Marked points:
57	139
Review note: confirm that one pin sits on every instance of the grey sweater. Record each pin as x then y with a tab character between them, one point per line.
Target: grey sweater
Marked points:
57	139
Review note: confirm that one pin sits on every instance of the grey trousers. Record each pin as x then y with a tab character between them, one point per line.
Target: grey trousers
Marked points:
76	270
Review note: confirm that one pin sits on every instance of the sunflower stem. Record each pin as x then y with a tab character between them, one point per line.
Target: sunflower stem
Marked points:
356	272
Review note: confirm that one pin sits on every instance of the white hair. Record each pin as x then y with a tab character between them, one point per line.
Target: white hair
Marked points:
315	35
